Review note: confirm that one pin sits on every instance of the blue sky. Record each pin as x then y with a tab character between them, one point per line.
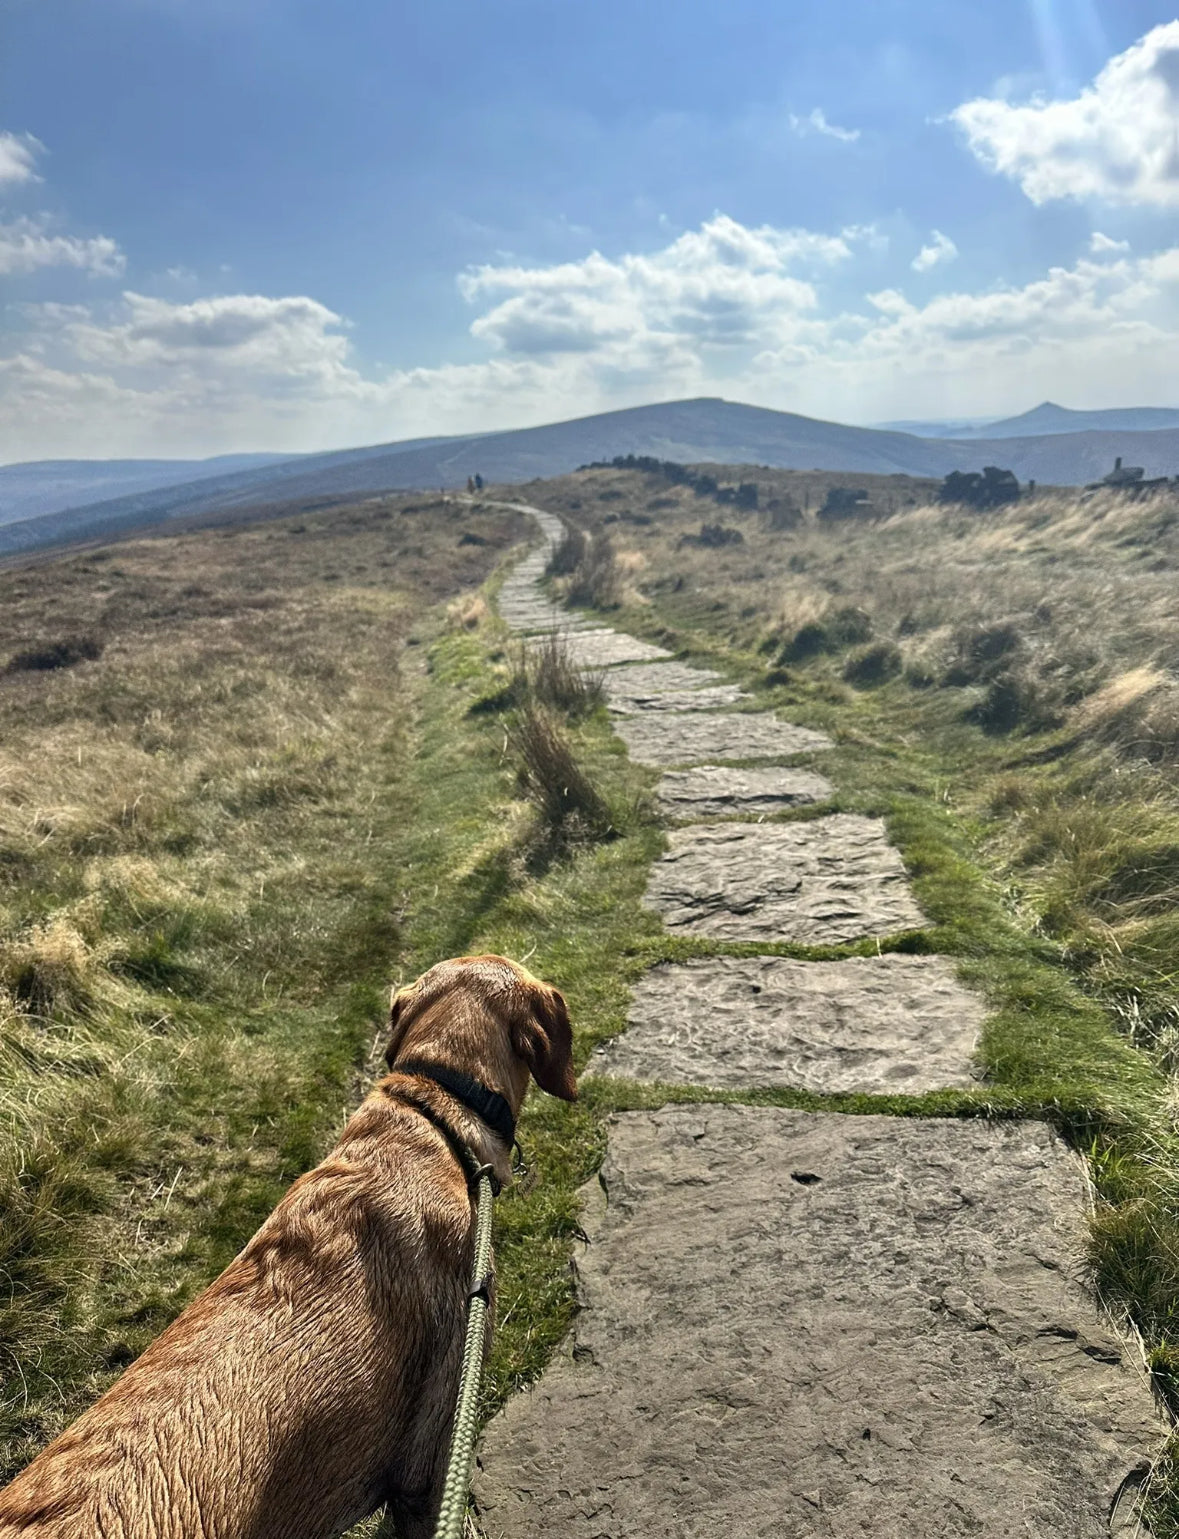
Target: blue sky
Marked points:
261	224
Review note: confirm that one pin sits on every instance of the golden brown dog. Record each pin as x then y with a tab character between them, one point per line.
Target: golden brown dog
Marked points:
316	1378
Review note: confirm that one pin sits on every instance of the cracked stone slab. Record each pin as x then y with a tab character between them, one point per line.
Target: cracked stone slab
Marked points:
536	620
603	648
822	883
717	697
645	679
674	738
672	686
890	1025
805	1326
537	617
722	790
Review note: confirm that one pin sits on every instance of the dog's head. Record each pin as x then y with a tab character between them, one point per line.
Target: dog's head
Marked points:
454	1003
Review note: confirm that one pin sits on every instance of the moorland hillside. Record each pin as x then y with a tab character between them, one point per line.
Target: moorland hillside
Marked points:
726	432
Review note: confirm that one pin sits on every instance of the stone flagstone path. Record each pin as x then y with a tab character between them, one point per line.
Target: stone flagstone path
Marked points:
720	791
800	1324
823	883
732	1021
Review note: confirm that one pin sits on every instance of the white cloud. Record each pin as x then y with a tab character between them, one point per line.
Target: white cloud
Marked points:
1117	141
940	249
1101	245
720	310
30	243
288	339
720	286
816	122
26	245
18	156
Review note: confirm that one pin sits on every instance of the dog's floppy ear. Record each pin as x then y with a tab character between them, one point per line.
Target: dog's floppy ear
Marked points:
397	1022
545	1042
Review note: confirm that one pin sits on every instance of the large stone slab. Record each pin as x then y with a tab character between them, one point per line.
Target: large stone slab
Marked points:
688	738
805	1326
529	609
822	883
672	686
716	698
647	679
603	648
889	1024
723	790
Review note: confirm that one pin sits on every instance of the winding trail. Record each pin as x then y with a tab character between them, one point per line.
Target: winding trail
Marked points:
807	1324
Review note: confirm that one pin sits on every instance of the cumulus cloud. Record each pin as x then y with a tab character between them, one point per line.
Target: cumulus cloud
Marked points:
27	244
292	338
815	122
1117	141
18	158
939	249
759	314
721	286
30	243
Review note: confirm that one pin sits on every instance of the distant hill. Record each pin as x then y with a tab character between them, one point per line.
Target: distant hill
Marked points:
716	431
1048	418
46	486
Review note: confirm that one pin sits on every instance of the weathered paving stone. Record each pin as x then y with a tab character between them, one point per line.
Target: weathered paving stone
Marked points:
806	1326
602	648
522	602
672	686
890	1024
526	607
717	697
836	879
722	790
672	738
645	679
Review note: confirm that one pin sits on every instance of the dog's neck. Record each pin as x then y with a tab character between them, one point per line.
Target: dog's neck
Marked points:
476	1121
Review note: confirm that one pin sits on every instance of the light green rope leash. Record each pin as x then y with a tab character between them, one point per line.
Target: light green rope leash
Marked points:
452	1514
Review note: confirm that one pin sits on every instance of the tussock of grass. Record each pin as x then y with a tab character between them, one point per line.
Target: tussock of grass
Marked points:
570	805
548	675
568	553
595	581
55	654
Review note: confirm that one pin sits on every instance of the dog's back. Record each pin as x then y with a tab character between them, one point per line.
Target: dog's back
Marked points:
315	1379
288	1399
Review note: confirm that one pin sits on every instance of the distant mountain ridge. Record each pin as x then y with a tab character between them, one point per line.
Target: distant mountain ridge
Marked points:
1050	418
35	487
1045	419
694	431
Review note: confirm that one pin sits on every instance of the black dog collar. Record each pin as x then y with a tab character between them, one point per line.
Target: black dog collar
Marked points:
486	1104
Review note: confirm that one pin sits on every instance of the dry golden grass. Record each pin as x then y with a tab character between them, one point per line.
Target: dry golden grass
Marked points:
200	825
